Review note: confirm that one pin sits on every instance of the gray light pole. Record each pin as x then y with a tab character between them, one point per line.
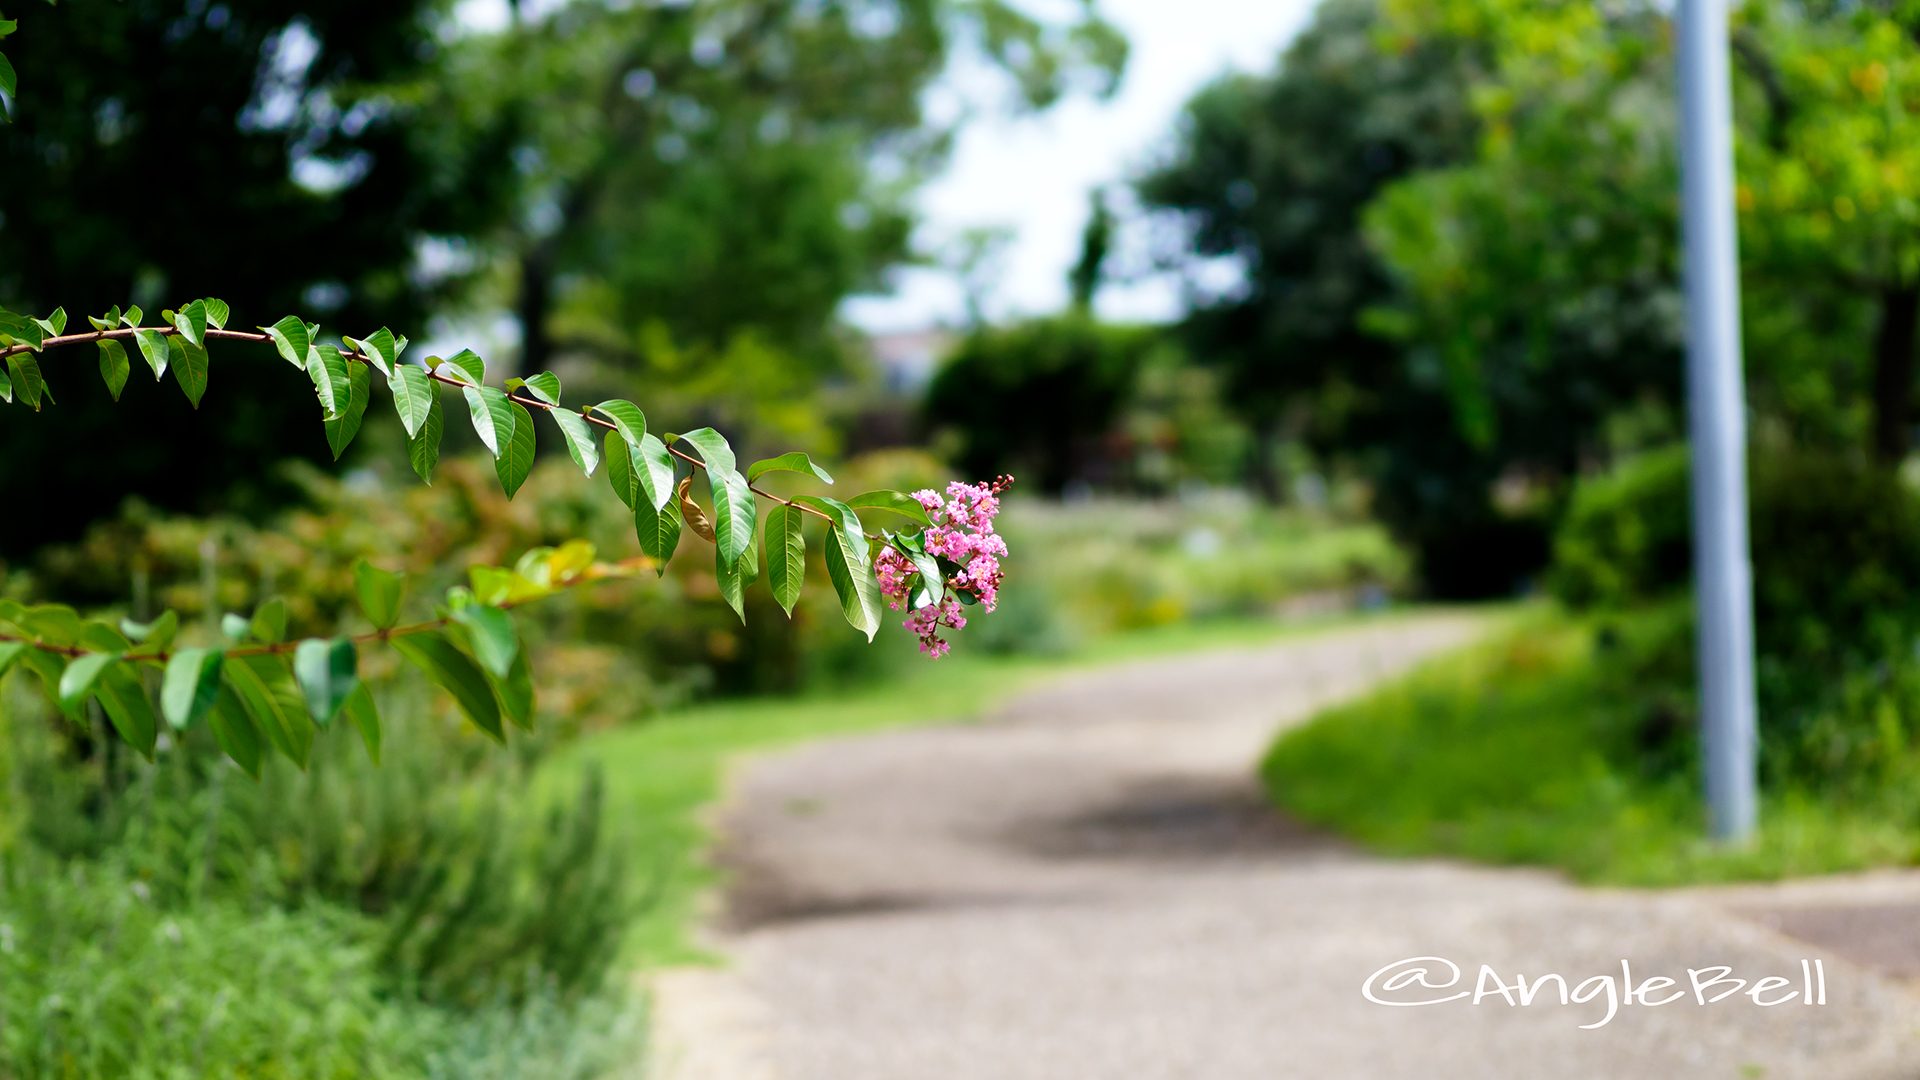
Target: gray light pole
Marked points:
1716	405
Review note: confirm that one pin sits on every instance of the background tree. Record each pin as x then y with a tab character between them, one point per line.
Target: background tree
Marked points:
285	184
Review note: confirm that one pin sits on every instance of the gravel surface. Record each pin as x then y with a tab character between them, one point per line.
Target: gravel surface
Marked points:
1089	884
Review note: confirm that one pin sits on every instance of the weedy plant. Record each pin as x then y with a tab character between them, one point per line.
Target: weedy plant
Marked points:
258	691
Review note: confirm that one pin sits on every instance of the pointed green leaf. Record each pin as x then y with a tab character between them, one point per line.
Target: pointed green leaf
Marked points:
6	385
786	555
621	474
132	316
76	683
514	690
627	419
328	673
291	340
659	531
465	366
125	702
380	592
341	429
580	441
423	450
9	652
381	349
713	448
189	363
456	673
8	80
413	396
216	312
544	387
56	323
27	380
191	321
153	346
492	417
279	711
233	729
191	686
269	622
114	367
732	579
894	502
495	642
793	462
156	636
851	572
930	577
331	381
653	467
516	457
360	709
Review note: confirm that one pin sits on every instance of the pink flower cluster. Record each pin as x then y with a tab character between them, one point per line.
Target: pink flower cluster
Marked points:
962	535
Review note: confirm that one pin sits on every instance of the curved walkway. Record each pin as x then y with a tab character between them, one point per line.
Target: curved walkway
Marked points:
1088	884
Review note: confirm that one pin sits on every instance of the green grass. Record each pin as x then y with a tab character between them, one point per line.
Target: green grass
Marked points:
1525	750
662	775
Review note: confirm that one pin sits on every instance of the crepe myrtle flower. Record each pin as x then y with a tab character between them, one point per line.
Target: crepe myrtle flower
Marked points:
953	564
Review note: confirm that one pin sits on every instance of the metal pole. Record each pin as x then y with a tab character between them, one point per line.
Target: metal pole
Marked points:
1723	576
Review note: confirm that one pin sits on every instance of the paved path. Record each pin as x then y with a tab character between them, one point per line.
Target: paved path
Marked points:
1087	885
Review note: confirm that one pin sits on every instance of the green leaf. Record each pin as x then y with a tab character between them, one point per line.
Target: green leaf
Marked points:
235	628
100	637
49	668
360	709
190	686
341	429
125	702
423	449
56	323
465	366
114	367
713	448
76	683
456	673
930	577
153	346
849	564
621	474
132	316
278	710
515	692
8	80
191	321
233	729
413	396
189	363
580	441
269	622
6	386
27	380
653	467
544	387
331	381
381	349
156	636
217	312
22	329
733	508
516	458
659	531
893	502
291	340
786	555
9	652
733	583
380	592
328	673
492	417
495	642
851	572
793	462
627	419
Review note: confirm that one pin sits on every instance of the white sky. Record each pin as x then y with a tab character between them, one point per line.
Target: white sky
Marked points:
1034	175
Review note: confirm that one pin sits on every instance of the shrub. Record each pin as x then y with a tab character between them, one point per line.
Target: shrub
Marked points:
1626	536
